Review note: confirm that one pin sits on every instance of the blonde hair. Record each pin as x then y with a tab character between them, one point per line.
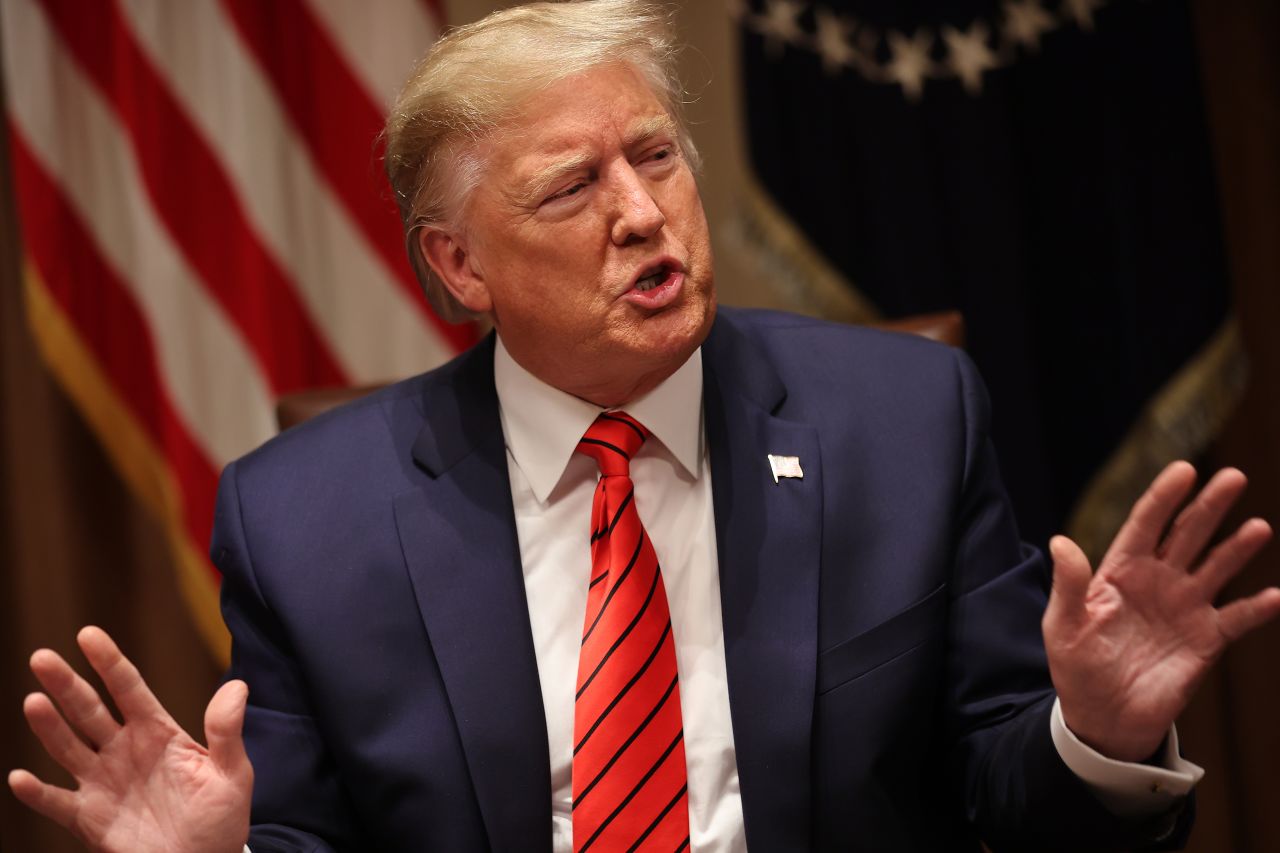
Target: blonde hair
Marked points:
477	75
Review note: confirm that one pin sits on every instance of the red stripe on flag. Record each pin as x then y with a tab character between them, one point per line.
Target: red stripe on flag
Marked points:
111	325
196	200
340	124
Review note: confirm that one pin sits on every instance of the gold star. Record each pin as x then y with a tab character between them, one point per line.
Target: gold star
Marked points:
1025	21
1081	11
779	25
911	62
833	42
968	54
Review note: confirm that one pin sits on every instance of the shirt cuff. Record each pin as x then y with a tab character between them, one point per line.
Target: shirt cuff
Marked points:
1126	789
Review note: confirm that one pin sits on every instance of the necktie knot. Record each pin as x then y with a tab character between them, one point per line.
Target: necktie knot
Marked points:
611	441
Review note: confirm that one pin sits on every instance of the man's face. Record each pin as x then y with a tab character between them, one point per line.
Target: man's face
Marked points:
587	239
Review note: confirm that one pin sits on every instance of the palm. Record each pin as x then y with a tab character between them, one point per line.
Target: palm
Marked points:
1128	645
144	785
164	786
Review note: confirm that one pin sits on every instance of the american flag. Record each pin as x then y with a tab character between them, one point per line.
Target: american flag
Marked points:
205	225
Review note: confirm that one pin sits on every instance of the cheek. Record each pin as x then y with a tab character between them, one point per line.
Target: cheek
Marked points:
560	289
578	266
684	208
539	271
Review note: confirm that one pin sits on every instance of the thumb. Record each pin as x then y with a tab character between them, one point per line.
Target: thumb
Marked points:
223	723
1071	576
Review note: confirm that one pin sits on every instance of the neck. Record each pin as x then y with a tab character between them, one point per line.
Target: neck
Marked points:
606	391
616	394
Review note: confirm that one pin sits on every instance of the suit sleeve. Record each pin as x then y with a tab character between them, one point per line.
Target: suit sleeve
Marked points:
1016	789
298	801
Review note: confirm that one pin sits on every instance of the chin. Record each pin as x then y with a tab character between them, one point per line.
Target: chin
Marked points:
676	335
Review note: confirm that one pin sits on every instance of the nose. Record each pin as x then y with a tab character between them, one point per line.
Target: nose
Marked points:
638	216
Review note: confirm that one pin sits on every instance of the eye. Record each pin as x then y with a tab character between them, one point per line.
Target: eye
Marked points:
571	190
666	152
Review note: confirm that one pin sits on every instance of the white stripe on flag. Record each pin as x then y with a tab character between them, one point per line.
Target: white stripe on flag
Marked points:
368	319
205	366
382	47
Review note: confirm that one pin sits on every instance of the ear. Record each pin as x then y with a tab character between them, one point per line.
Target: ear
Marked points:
453	262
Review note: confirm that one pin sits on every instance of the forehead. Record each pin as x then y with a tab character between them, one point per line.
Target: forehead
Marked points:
604	106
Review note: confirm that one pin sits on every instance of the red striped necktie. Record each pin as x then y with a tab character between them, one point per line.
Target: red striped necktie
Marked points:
629	782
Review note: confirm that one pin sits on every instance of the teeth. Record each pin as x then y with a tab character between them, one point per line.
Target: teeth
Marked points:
649	282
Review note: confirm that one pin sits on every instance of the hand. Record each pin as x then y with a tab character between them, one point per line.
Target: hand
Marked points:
1128	645
143	785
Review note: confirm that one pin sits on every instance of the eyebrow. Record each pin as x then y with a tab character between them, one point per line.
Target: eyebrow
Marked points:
647	128
544	178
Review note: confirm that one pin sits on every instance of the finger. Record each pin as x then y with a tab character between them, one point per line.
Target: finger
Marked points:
1071	577
1242	616
131	694
57	804
78	700
223	727
56	736
1142	530
1231	555
1198	521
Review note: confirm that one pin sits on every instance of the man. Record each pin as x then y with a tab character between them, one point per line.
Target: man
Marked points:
438	594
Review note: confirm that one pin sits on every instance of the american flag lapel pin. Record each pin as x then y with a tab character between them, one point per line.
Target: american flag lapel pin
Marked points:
785	466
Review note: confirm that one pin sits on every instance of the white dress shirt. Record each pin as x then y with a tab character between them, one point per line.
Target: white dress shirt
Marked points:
552	489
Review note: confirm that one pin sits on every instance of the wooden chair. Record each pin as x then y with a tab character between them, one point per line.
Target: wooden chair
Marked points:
292	409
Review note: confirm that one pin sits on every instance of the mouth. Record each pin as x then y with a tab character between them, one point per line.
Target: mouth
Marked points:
657	285
654	276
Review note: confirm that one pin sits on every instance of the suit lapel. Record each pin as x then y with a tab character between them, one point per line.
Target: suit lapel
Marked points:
769	538
459	538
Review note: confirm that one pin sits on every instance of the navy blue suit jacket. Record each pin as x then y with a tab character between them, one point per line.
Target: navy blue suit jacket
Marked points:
887	682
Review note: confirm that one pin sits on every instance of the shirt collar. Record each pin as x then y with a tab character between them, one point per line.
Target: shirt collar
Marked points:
542	424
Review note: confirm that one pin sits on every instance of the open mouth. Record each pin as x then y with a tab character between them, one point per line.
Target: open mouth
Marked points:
657	285
653	277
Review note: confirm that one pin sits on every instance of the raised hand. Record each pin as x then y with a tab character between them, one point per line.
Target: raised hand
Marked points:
1129	644
144	784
